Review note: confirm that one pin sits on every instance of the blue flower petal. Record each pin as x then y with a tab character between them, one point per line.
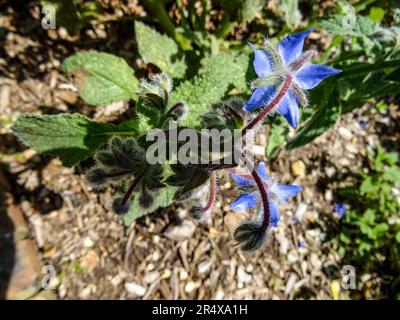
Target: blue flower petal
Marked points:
274	213
289	109
262	171
292	46
310	75
243	202
241	181
263	64
284	192
260	98
340	209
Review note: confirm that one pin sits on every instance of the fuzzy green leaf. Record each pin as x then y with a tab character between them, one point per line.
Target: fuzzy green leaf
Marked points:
218	74
72	137
159	50
102	78
163	198
251	9
291	12
356	25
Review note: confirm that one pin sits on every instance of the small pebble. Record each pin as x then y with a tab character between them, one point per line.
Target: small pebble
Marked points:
134	288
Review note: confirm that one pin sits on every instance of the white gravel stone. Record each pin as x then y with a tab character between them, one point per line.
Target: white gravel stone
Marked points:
150	277
134	288
182	231
243	276
345	133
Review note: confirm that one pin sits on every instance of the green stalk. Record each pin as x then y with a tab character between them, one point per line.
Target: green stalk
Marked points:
156	8
225	28
351	72
335	41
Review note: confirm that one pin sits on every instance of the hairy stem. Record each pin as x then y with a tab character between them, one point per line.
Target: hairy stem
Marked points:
211	198
132	187
263	192
270	107
264	197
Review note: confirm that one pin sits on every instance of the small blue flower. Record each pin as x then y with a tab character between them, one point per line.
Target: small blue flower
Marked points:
340	209
363	124
277	193
302	244
286	66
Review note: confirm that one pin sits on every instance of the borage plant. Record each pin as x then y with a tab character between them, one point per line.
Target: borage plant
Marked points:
155	172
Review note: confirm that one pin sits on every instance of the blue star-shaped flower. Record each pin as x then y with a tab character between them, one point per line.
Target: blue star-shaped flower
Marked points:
340	209
276	193
286	65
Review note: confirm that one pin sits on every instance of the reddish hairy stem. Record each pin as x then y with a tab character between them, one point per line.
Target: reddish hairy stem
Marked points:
132	187
264	197
212	194
270	106
261	186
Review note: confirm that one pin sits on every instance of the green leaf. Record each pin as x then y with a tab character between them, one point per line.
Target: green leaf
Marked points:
277	136
325	117
391	157
357	69
356	25
398	236
159	50
376	14
102	78
162	199
394	76
230	67
393	174
218	74
291	12
368	186
381	227
72	137
251	9
90	10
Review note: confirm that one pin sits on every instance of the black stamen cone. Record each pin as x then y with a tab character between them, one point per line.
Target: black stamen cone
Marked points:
196	212
250	236
146	200
119	208
96	176
179	111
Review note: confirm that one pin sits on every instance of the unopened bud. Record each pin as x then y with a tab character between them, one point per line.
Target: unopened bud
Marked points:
119	207
96	177
250	235
179	111
146	200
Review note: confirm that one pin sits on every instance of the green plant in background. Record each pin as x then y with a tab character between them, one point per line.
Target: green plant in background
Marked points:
370	230
74	16
291	13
